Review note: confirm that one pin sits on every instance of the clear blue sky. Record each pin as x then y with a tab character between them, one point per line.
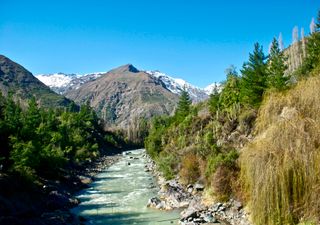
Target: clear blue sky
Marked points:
192	39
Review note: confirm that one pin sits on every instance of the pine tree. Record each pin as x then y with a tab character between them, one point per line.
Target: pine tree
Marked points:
276	67
312	60
183	105
230	94
254	77
214	100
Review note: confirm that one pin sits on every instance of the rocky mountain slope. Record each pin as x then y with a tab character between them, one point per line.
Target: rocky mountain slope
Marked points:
125	95
62	83
23	85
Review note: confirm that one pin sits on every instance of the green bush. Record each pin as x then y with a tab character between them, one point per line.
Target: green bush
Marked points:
166	164
189	171
222	159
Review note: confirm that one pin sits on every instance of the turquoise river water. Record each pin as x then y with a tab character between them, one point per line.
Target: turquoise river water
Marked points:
120	193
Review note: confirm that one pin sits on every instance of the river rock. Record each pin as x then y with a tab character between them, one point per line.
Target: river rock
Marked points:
208	218
232	212
193	209
85	179
199	187
153	202
190	188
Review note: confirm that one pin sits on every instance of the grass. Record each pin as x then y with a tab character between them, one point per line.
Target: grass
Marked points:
280	169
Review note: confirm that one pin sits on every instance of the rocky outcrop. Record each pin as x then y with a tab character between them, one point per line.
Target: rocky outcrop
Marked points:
173	195
229	213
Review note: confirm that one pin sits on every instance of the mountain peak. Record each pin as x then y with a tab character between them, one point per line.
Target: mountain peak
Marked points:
126	68
19	81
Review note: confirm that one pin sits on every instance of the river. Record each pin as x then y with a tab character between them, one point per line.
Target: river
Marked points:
120	193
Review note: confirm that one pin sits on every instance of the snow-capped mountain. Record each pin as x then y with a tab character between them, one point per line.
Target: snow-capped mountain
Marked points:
176	85
214	87
56	80
62	83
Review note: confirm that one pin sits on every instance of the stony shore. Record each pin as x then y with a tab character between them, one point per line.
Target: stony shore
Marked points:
174	195
50	203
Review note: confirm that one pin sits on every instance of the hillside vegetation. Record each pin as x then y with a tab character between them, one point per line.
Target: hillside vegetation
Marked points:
256	141
281	166
36	142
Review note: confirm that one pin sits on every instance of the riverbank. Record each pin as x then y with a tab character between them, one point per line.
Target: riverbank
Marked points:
174	195
48	201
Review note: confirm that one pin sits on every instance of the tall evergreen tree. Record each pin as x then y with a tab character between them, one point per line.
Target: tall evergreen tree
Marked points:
231	89
254	77
313	49
214	100
184	105
277	67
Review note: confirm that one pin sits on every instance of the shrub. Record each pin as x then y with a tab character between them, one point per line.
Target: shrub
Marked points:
222	159
166	164
189	171
222	182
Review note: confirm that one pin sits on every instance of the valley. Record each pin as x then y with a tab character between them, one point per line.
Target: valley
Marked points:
136	146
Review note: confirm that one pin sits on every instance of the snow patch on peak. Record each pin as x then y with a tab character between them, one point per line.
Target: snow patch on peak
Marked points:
176	85
56	79
211	88
61	82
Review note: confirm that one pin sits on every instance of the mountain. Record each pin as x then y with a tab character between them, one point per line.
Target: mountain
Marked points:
213	87
62	83
125	95
23	85
176	85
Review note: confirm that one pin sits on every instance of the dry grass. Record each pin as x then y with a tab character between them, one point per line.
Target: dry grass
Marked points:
280	169
222	182
189	172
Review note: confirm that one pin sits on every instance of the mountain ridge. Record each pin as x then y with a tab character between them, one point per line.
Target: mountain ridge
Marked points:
18	81
175	85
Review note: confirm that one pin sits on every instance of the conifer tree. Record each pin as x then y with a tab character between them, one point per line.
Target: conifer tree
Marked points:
276	67
214	100
254	77
312	60
183	105
231	89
